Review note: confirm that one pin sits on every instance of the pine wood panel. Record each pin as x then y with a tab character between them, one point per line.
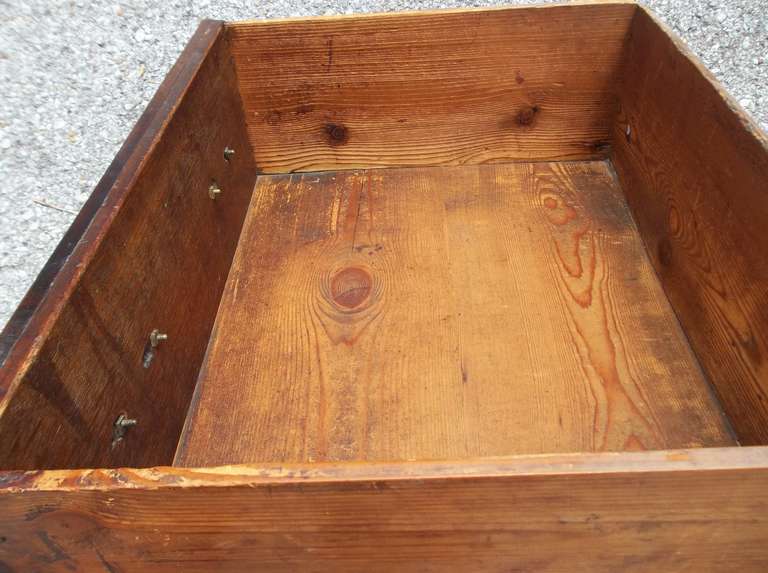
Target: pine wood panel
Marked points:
442	313
432	88
640	512
695	172
155	254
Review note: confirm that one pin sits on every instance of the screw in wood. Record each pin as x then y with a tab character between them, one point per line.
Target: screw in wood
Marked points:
121	426
156	337
125	422
228	153
214	191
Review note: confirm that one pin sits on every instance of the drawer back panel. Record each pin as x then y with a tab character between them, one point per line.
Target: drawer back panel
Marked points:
524	83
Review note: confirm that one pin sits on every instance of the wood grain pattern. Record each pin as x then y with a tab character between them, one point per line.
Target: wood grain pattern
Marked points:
443	313
24	326
156	255
695	172
433	88
639	512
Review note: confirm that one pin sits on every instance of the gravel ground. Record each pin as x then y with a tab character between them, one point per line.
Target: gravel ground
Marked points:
75	76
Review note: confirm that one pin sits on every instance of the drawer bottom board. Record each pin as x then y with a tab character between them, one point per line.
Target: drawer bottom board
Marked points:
444	312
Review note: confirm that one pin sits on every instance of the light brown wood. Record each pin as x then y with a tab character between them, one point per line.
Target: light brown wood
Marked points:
443	313
695	172
155	255
700	510
434	88
446	314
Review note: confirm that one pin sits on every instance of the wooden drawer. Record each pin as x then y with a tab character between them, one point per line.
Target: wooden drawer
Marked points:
479	290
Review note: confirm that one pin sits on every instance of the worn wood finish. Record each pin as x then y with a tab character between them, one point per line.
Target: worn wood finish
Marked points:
695	172
136	146
156	255
434	88
444	312
700	510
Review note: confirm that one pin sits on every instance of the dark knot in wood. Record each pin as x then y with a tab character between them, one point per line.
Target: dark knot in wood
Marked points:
350	287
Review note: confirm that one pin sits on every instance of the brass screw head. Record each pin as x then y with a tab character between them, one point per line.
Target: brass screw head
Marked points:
214	191
125	422
156	337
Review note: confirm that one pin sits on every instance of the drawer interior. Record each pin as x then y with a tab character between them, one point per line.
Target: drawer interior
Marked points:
441	313
410	237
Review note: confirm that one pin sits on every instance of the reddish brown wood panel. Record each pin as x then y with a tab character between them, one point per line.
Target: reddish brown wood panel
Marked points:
444	312
701	510
155	255
695	172
458	87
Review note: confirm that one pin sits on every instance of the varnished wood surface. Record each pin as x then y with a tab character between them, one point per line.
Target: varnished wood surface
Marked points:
639	512
435	88
695	172
155	255
136	146
444	313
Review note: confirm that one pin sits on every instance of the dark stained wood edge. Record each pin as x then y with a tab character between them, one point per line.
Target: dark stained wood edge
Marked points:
22	335
691	460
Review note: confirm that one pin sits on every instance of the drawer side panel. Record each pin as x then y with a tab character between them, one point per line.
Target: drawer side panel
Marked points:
694	169
154	256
